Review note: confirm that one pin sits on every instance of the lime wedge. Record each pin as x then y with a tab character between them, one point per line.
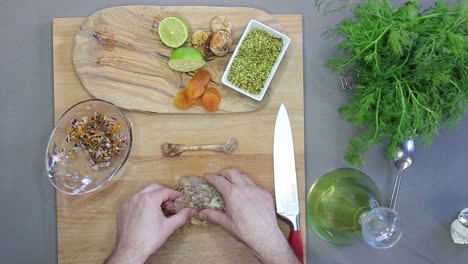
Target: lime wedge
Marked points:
173	31
186	59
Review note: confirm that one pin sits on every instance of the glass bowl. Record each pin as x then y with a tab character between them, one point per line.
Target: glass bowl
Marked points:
68	163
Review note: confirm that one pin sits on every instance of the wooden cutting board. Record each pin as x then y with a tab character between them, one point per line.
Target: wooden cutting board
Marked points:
86	224
119	57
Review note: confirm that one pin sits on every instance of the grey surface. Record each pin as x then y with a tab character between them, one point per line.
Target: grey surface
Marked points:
429	190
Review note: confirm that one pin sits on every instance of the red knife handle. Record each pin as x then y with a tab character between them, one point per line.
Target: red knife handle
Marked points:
295	241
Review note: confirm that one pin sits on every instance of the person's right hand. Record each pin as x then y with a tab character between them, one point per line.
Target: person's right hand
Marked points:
249	216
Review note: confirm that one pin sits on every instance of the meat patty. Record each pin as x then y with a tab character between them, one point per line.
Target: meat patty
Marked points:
198	194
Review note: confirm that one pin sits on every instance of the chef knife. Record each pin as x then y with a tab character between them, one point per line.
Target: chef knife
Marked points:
286	196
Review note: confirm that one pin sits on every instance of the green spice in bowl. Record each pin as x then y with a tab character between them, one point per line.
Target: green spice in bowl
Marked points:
255	60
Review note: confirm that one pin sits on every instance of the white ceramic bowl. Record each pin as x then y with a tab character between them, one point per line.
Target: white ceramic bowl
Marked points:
255	24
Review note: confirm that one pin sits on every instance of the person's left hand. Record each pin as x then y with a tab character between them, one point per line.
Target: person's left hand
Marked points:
142	227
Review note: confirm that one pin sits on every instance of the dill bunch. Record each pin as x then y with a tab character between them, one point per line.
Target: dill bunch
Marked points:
410	68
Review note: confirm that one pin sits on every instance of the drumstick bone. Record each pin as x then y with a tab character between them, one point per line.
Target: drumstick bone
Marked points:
172	150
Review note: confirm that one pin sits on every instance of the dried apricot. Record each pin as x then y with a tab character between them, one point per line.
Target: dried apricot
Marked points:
182	100
195	89
202	75
215	91
210	102
198	101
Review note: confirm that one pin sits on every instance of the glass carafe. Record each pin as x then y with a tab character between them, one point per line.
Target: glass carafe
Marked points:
343	206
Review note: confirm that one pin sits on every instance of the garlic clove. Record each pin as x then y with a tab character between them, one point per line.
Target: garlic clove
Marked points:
459	233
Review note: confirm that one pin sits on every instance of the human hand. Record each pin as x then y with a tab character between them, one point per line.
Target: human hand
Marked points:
142	228
249	216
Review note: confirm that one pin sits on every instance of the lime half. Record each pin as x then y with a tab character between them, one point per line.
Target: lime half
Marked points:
173	31
186	59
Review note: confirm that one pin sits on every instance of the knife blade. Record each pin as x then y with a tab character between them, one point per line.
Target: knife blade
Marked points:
286	194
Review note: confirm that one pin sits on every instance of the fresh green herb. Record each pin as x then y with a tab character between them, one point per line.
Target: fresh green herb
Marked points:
410	69
254	61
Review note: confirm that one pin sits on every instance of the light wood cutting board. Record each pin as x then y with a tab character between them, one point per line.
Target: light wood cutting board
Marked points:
119	57
86	224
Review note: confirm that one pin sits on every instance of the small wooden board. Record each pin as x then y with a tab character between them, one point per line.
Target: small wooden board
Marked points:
119	57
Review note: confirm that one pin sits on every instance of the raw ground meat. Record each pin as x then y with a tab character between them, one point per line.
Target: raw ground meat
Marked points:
198	194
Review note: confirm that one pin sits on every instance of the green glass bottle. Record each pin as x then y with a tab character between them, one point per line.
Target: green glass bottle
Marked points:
336	202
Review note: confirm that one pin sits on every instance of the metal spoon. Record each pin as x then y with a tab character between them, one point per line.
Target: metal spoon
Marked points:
403	160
